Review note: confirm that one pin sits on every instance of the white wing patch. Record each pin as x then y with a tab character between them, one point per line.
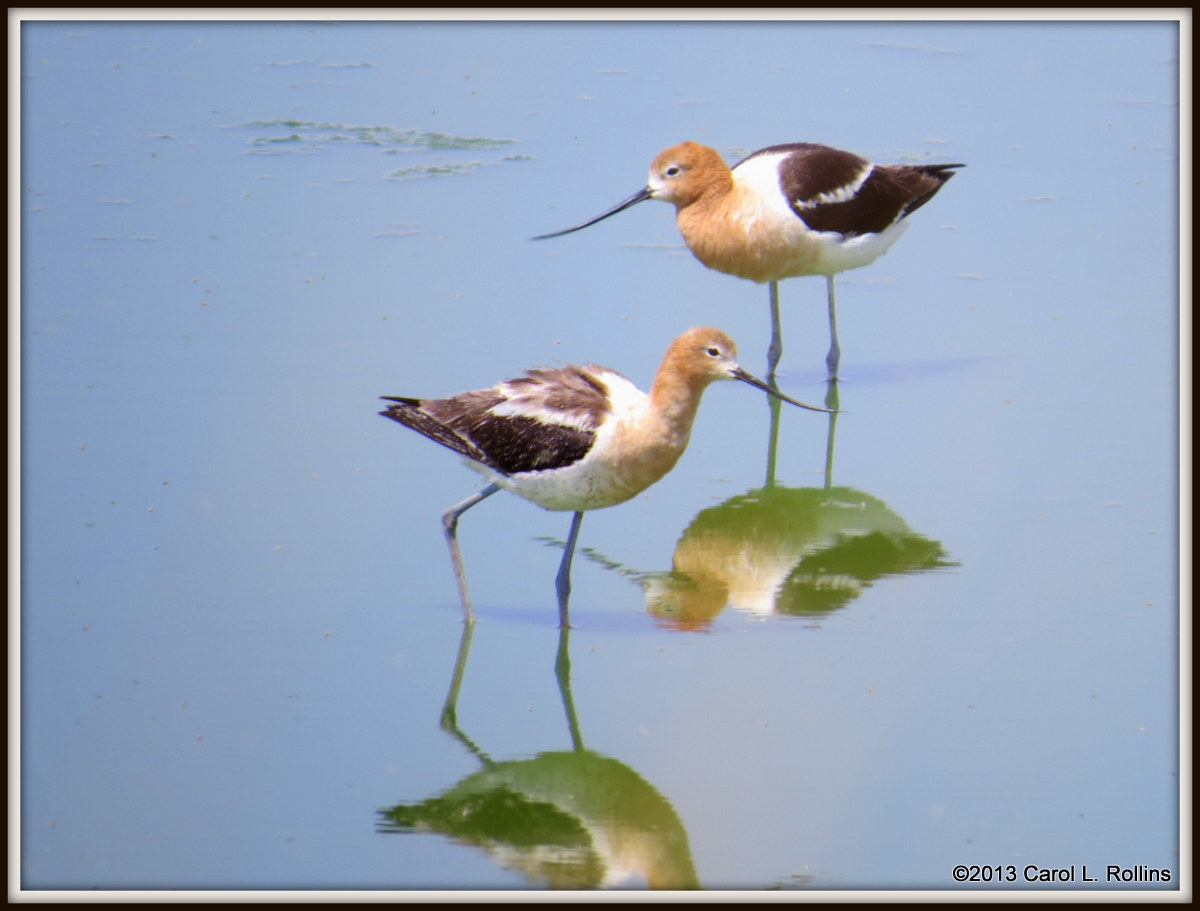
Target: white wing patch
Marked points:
533	405
841	194
579	408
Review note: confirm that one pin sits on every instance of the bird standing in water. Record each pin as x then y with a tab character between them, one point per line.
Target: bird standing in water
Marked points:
786	211
575	438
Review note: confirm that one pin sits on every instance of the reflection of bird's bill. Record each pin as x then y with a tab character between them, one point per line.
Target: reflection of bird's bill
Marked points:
637	197
754	381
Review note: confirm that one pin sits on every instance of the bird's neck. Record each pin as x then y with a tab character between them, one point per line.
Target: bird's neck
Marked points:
709	196
673	404
652	439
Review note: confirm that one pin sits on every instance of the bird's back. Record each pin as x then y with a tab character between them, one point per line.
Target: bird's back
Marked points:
837	191
543	420
809	209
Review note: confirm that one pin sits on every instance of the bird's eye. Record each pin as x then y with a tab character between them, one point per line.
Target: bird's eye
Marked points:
673	171
714	351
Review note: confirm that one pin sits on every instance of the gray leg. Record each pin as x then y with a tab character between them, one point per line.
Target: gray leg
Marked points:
775	351
562	583
450	527
835	352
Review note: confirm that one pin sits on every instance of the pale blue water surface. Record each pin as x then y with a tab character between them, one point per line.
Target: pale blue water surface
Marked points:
953	641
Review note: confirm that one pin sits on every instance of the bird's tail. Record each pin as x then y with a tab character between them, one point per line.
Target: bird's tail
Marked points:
936	171
935	176
408	412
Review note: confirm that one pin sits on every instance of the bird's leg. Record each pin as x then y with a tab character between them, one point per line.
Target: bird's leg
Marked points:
450	527
835	352
776	408
562	582
832	401
562	670
775	351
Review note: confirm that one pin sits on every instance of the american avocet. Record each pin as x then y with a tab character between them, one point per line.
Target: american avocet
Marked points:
786	211
575	437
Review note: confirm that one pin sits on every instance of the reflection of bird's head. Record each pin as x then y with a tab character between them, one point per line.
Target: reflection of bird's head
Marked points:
685	601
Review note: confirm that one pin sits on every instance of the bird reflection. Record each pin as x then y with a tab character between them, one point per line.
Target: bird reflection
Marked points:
572	819
803	551
798	551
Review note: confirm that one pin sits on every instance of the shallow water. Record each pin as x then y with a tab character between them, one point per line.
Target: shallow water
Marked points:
938	630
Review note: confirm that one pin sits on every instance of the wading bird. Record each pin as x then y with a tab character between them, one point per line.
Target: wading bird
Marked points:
786	211
575	438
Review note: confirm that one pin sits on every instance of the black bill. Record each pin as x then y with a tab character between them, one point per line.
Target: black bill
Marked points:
637	197
740	374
